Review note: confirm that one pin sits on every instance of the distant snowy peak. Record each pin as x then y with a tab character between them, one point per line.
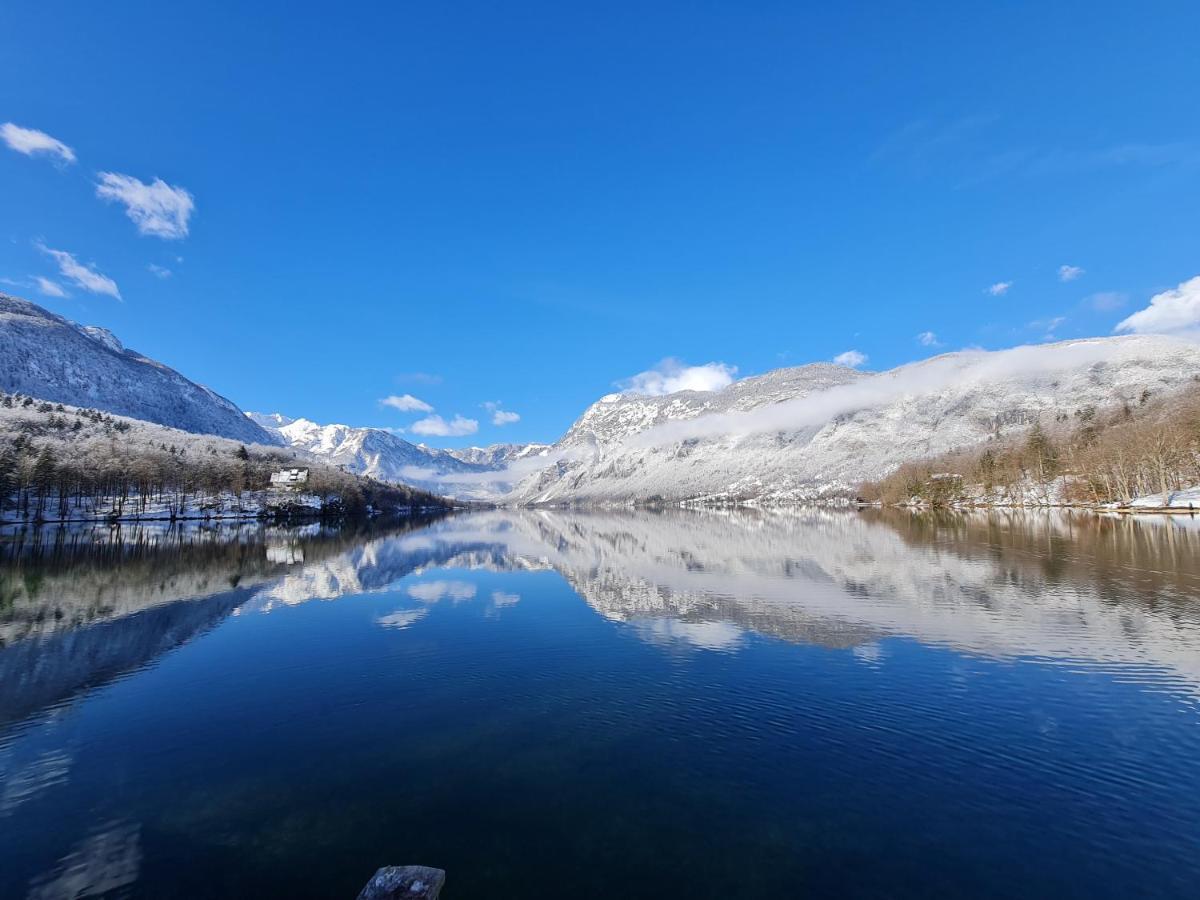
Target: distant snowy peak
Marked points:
46	356
375	453
270	421
497	456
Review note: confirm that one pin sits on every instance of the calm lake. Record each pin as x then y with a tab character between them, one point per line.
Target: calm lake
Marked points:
552	704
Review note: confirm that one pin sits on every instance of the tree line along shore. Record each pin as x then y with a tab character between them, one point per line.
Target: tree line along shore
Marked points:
1138	456
64	463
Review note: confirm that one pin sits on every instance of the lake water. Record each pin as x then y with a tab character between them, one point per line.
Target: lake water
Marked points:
552	704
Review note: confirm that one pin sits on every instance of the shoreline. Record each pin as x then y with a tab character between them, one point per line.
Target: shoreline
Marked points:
304	514
248	516
1124	509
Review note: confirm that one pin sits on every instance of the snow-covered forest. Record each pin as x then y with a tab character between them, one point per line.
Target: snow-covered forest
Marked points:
1145	449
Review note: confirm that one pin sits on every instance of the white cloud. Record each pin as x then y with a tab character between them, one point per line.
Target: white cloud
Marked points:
401	618
30	141
719	636
49	288
433	591
158	271
81	275
917	379
1175	310
1000	288
158	209
501	416
1069	273
406	403
966	369
851	358
672	375
503	598
436	426
928	339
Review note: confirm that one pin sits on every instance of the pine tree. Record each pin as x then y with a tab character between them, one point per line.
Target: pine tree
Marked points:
45	470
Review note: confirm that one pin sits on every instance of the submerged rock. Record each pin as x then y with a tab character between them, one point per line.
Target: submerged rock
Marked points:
404	883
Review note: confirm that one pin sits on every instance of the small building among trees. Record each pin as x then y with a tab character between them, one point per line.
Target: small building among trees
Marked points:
289	478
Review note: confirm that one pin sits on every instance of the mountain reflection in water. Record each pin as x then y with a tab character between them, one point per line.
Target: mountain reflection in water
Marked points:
509	635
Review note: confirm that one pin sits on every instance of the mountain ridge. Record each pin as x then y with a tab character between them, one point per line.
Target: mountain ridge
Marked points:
48	356
380	454
818	431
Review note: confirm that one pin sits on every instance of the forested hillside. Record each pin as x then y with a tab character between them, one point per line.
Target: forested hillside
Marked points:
62	462
1093	456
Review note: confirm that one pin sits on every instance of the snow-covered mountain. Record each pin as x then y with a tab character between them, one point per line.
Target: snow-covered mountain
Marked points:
838	579
45	356
497	456
364	451
388	457
819	430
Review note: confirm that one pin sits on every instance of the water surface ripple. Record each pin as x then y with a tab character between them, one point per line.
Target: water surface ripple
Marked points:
595	704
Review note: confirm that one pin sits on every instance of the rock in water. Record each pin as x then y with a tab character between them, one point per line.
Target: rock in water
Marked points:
404	883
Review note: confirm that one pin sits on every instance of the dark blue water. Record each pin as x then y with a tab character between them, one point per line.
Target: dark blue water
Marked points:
599	705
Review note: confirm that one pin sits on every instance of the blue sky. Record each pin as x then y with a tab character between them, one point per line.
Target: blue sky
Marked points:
527	204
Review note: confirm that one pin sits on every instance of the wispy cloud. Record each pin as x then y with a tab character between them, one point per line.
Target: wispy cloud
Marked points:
963	369
32	142
1047	326
1069	273
1000	288
158	209
158	271
1175	310
1106	301
851	358
436	426
48	288
501	416
83	276
672	375
434	591
922	143
969	150
406	403
917	379
1133	154
419	378
928	339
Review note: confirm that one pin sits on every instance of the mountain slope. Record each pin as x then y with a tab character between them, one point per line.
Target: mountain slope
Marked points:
388	457
370	451
817	431
46	356
496	456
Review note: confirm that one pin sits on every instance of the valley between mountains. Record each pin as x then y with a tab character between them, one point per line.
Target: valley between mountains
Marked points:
815	432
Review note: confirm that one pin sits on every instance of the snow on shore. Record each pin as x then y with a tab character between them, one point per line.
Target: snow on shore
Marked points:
1188	499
